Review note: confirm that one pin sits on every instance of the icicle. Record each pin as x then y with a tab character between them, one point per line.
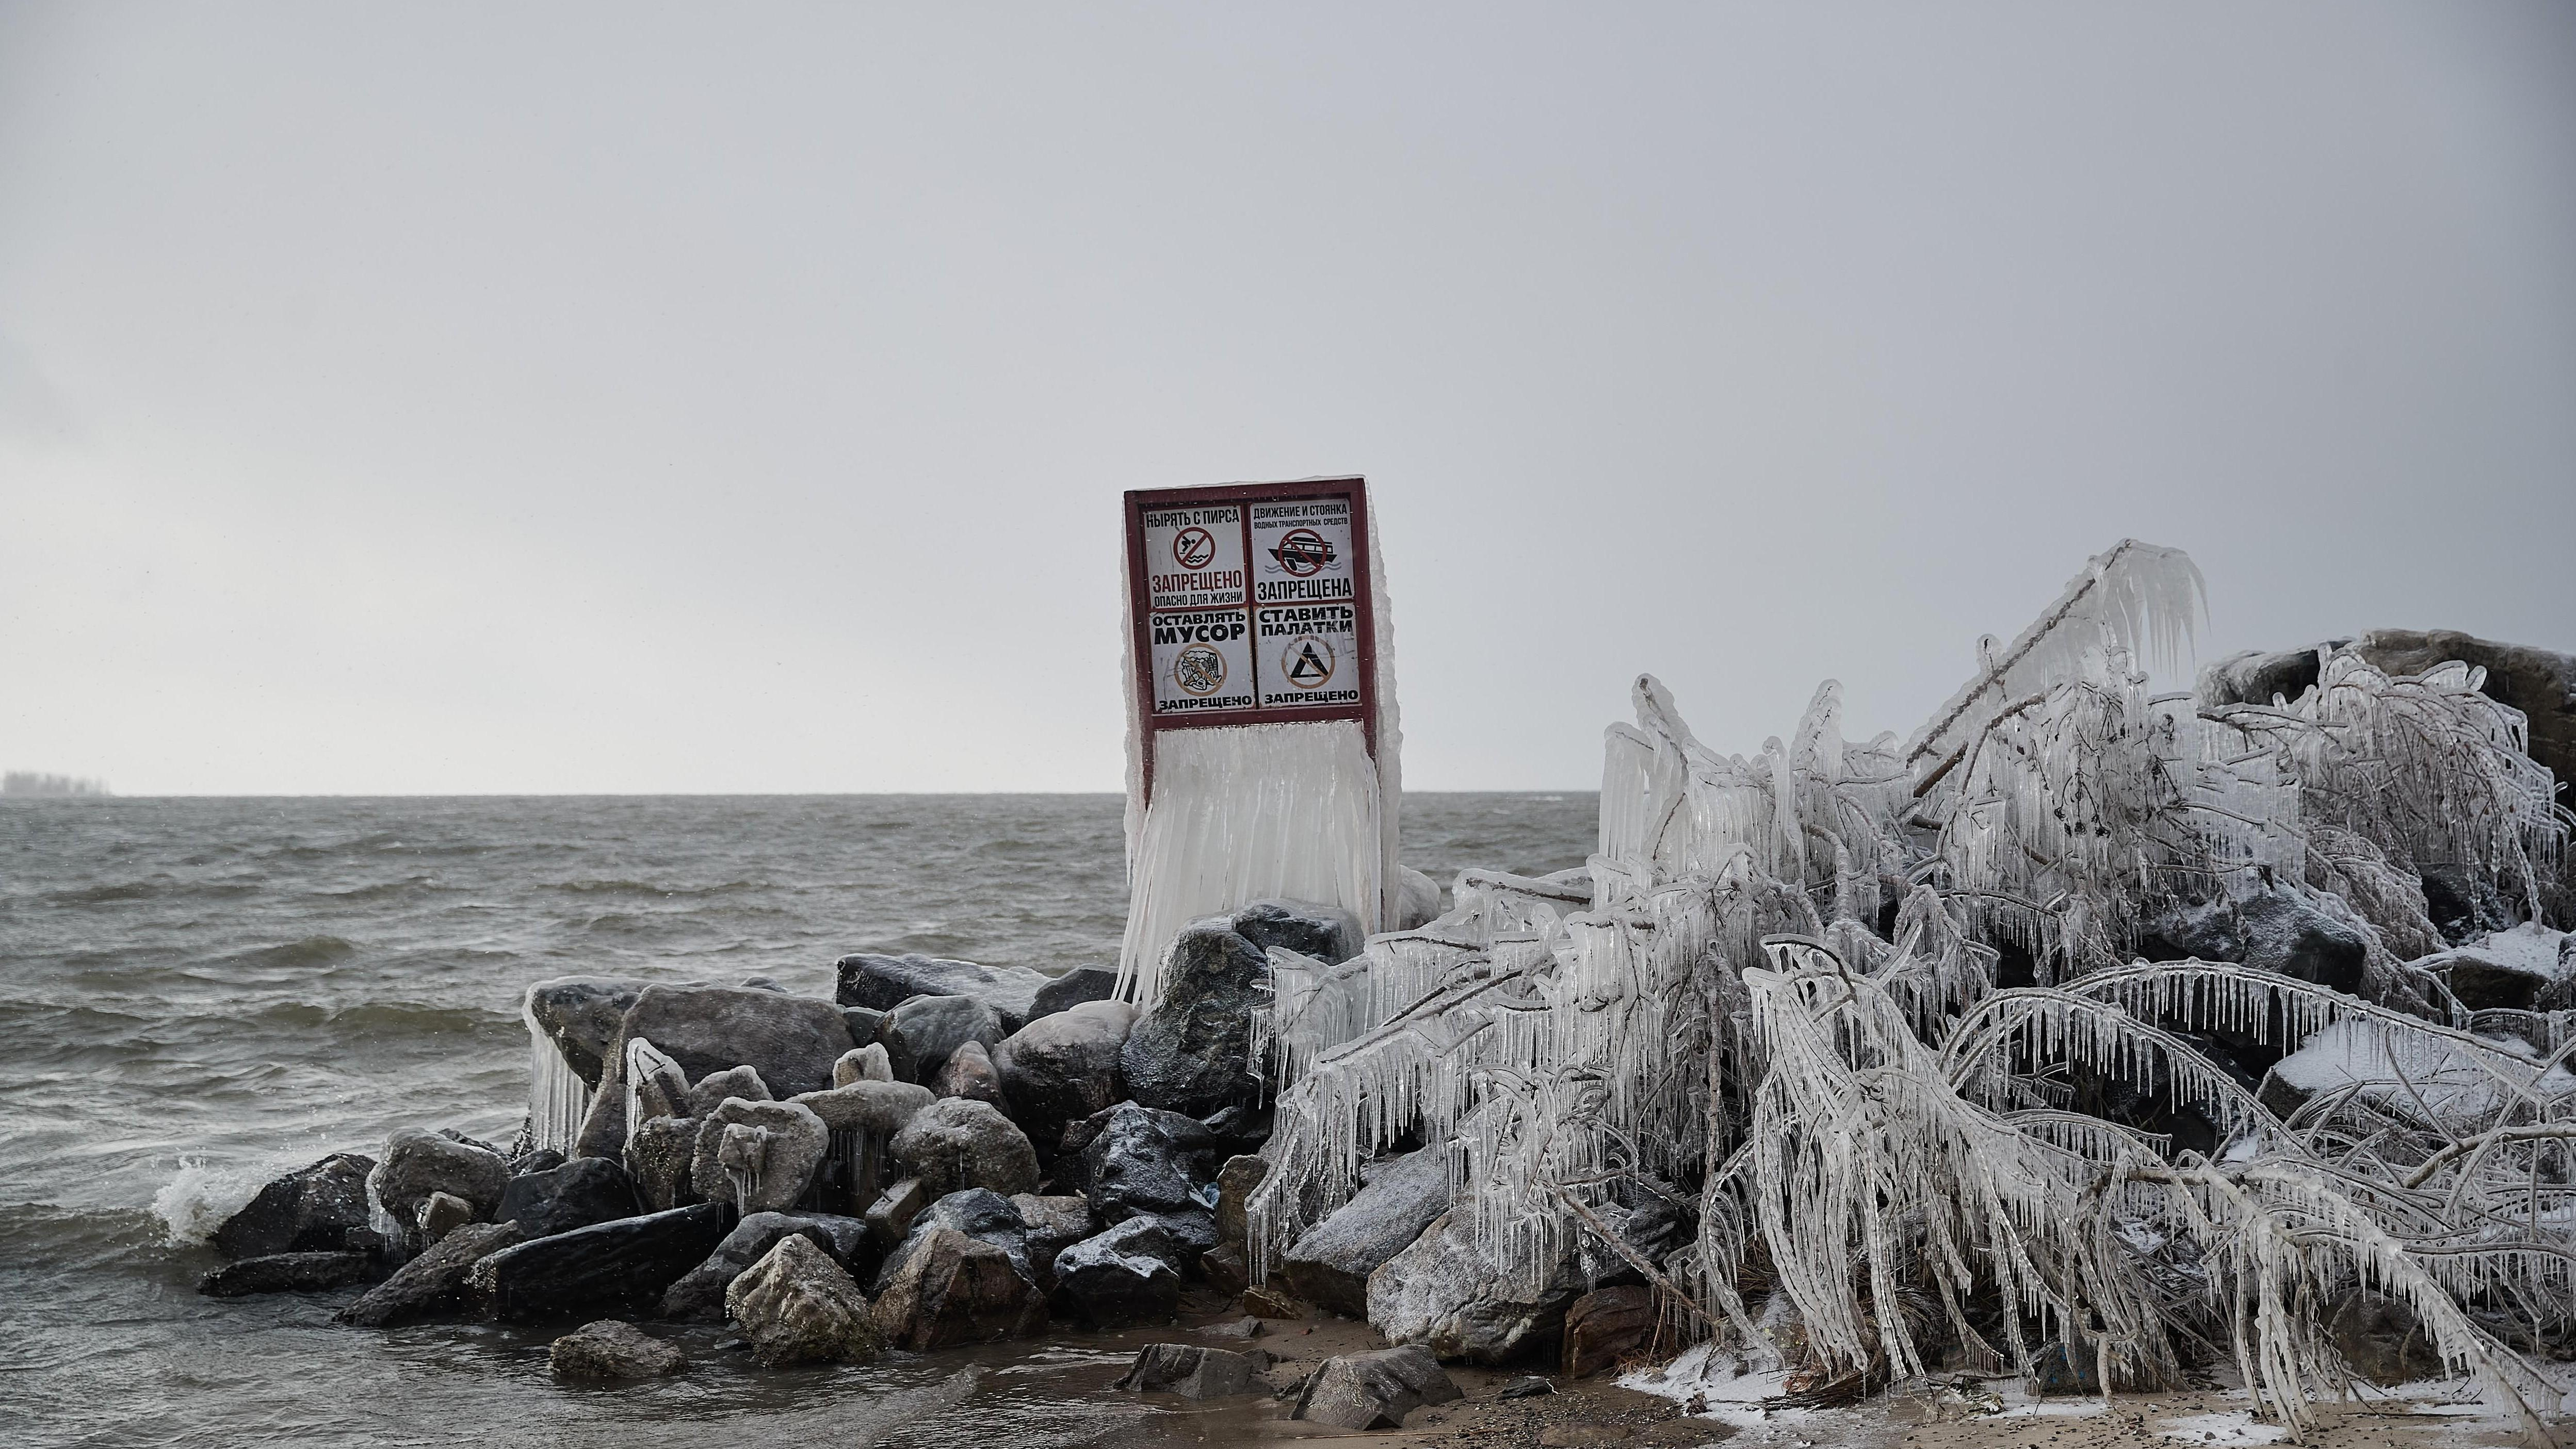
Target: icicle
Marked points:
558	1099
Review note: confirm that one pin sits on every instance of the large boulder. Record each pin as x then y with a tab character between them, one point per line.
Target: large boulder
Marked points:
660	1160
1192	1371
792	1041
951	1288
434	1282
885	982
1330	1265
1072	988
1148	1161
610	1350
921	1032
626	1265
1374	1390
2517	970
581	1015
1327	933
1445	1295
868	1105
1192	1053
978	1212
2276	929
583	1191
1063	1067
310	1210
2539	682
957	1142
866	1063
417	1164
798	1306
290	1273
2382	1339
1125	1277
758	1156
700	1293
1606	1326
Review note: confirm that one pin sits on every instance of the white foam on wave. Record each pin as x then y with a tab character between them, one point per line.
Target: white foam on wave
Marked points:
196	1200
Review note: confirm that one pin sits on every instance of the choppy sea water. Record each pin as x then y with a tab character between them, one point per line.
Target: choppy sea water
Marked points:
198	994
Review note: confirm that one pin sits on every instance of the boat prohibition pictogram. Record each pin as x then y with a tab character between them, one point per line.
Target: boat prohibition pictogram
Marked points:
1308	663
1199	670
1302	551
1194	548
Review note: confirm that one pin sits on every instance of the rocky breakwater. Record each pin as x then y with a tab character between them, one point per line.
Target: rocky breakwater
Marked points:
942	1154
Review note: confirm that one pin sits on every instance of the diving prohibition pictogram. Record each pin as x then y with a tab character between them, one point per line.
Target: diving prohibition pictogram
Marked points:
1194	548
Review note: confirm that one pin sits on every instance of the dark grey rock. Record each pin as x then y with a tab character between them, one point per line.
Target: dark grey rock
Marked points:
432	1283
1605	1326
610	1350
796	1306
921	1032
444	1213
1444	1294
1191	1371
1125	1277
2276	929
2257	677
623	1265
1063	1067
580	1015
660	1161
1147	1161
1327	933
418	1163
771	1148
310	1210
2464	905
544	1159
2539	682
980	1213
791	1041
884	982
969	1073
952	1288
700	1293
290	1273
957	1143
1049	1225
583	1191
1191	1053
603	1126
717	1088
1374	1390
1330	1266
2381	1338
863	1022
1074	987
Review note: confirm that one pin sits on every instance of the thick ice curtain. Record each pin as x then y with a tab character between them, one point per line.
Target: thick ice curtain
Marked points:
1240	813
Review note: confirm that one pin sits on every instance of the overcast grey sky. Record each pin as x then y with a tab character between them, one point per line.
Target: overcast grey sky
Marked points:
500	398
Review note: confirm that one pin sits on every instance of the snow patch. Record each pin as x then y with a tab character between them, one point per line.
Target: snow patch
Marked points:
2238	1427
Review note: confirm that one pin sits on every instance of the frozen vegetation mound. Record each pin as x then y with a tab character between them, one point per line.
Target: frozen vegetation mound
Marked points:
1966	1051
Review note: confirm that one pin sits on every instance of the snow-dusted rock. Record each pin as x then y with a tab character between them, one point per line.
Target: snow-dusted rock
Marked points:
957	1142
798	1306
770	1148
1330	1265
1443	1294
885	982
1374	1390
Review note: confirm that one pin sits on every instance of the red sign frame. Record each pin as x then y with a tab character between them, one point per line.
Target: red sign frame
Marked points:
1140	609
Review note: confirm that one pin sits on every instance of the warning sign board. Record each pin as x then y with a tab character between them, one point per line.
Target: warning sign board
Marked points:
1310	653
1251	604
1202	661
1301	550
1193	557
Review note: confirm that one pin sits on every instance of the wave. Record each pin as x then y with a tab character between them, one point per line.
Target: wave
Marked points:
310	951
648	888
159	887
201	1195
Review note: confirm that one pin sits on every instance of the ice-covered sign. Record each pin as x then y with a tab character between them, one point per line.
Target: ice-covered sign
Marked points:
1261	711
